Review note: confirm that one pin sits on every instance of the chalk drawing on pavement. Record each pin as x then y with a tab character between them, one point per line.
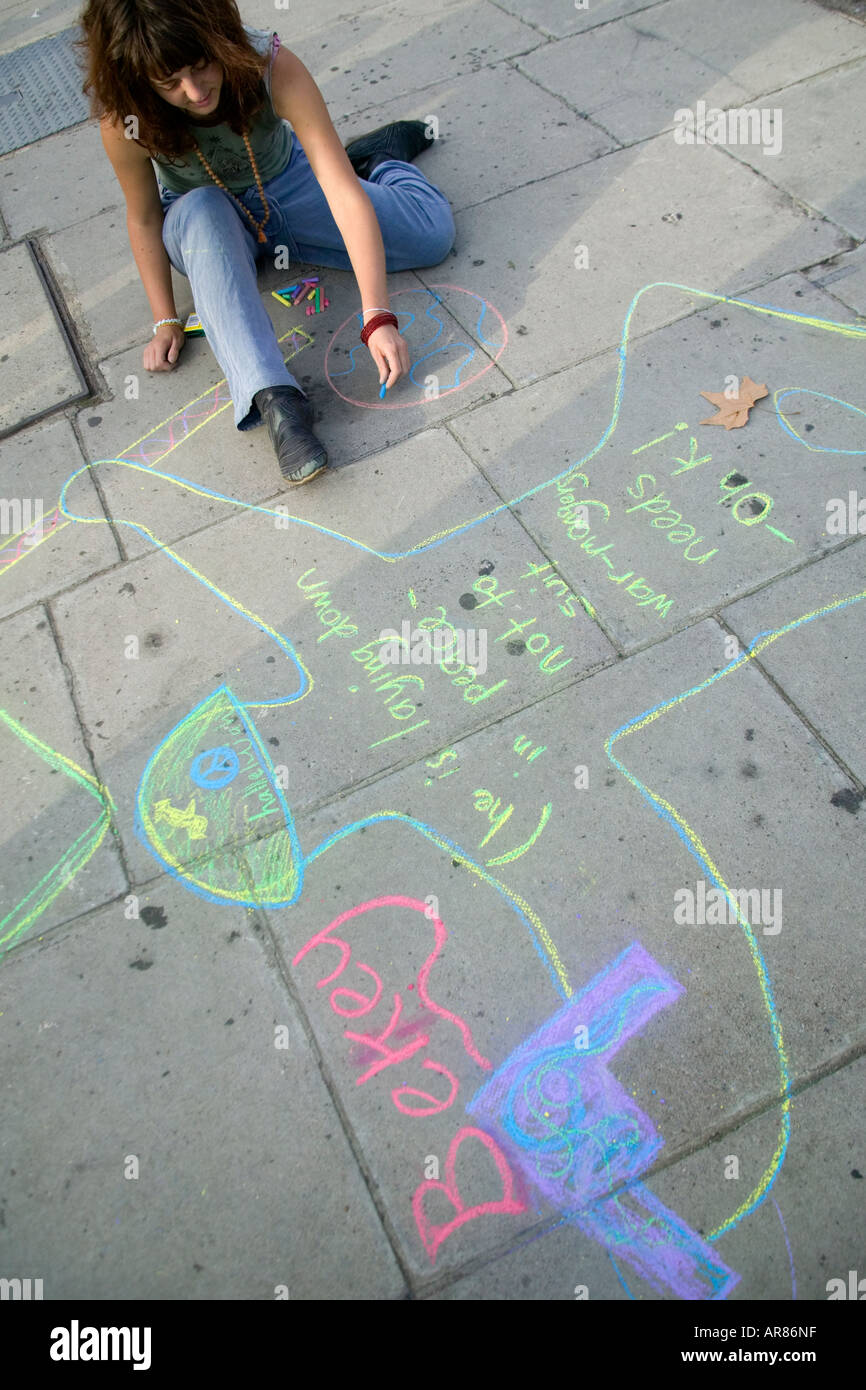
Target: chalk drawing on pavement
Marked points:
210	778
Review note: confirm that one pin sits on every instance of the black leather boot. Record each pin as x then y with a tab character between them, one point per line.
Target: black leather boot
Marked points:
289	418
403	140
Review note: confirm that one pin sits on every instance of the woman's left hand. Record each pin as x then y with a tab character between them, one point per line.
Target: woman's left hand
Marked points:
390	353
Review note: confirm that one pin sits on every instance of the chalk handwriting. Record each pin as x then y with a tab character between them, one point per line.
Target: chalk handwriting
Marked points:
665	518
330	618
555	583
387	1055
485	802
642	592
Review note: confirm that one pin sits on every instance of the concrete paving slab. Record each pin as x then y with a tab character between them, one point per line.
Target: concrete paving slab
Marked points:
38	371
833	186
856	9
110	309
325	20
37	554
787	1248
264	14
808	1229
59	182
402	51
550	266
308	616
528	134
753	759
411	1120
59	857
578	884
765	50
827	658
139	629
741	505
181	424
844	278
120	1040
19	24
622	75
556	20
563	1264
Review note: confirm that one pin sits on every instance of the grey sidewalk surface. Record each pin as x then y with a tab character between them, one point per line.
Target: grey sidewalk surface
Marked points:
284	1016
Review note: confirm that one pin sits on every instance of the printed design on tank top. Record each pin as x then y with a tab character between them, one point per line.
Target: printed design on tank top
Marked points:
226	164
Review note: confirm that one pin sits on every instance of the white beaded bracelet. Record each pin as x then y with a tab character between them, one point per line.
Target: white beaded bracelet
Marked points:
159	324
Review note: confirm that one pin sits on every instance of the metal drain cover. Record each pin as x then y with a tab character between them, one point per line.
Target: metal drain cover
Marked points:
40	90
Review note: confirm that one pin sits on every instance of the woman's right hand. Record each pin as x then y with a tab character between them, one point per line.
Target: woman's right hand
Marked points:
162	352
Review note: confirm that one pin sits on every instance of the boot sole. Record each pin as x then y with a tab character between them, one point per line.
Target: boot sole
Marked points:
299	482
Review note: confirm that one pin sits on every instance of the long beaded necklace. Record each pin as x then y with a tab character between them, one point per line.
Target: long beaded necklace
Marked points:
258	225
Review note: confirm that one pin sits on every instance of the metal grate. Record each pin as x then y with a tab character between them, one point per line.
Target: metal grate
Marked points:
40	90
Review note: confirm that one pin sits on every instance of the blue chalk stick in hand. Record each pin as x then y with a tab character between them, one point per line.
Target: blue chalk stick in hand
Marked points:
383	390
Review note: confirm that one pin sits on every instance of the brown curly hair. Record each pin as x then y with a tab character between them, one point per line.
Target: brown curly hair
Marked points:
129	42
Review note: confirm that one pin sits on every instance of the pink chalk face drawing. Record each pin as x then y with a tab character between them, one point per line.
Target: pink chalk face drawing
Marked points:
444	357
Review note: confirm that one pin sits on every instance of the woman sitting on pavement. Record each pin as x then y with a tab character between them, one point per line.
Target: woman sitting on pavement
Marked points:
246	161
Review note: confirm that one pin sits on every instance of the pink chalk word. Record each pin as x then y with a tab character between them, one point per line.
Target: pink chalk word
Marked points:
342	998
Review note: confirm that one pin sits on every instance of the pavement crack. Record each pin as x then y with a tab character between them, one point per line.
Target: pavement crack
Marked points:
69	676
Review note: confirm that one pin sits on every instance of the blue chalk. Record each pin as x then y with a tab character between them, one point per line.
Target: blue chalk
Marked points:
383	390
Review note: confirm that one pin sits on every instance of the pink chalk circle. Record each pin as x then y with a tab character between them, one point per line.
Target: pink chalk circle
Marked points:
347	336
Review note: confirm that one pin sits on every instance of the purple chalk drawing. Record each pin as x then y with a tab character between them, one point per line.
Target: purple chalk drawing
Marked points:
575	1134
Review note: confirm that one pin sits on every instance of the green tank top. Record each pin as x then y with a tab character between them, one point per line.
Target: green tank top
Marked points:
225	152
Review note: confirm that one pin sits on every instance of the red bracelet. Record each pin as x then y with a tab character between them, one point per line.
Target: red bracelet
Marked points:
376	322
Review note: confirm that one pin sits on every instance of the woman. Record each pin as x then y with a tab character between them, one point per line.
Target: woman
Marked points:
208	99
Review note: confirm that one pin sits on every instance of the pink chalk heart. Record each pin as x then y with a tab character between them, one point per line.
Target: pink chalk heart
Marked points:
433	1236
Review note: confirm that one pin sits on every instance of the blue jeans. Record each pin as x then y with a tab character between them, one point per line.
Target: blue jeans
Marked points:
211	242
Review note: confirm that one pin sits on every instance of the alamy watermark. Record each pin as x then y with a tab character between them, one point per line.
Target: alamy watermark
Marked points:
847	520
20	1290
745	125
715	907
855	1288
77	1343
21	514
440	646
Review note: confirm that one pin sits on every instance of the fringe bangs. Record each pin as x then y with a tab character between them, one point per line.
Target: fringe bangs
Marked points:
127	43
